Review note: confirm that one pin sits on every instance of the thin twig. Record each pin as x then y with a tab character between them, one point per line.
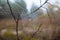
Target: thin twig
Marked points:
11	10
36	31
35	9
48	14
41	23
16	20
39	7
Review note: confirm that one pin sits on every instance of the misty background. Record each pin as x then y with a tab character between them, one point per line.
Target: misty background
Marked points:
30	20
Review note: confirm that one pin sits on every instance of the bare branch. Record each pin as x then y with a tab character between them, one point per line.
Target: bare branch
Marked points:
16	19
39	7
48	14
11	10
37	30
34	10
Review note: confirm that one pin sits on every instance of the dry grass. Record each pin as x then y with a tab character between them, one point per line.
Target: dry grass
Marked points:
49	31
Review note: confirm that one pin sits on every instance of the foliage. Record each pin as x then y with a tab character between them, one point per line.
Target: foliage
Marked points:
9	35
17	7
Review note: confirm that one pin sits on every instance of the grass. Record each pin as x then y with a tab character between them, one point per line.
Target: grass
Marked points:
47	31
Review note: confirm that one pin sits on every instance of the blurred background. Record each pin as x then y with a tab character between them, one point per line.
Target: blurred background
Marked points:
33	23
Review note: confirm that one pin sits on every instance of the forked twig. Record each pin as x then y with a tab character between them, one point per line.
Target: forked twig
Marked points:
16	20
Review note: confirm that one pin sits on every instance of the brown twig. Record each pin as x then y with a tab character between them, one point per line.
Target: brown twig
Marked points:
11	10
39	7
48	14
16	20
36	31
41	23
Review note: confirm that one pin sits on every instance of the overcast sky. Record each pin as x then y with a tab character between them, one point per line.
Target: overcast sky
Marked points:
37	2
